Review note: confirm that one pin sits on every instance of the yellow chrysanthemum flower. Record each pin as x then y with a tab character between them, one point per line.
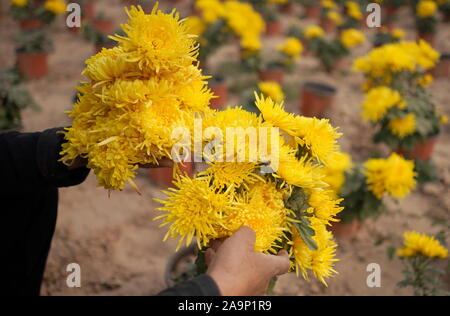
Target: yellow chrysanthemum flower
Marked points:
334	172
55	6
394	176
336	17
403	127
195	25
261	209
426	8
328	4
326	207
291	47
236	174
19	3
416	244
314	31
425	80
195	209
443	120
272	89
354	10
211	10
378	101
351	38
398	33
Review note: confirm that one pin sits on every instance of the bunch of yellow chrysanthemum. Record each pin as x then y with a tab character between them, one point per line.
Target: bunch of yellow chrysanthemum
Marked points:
279	192
272	89
394	176
135	96
240	17
416	244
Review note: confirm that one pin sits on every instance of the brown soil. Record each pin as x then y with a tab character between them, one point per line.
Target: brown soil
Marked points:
120	248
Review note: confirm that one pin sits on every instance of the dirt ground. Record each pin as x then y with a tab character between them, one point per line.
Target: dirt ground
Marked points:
115	240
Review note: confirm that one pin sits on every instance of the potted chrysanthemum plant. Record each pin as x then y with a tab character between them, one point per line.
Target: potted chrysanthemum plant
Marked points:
364	186
426	20
32	48
397	100
423	257
332	52
33	14
14	98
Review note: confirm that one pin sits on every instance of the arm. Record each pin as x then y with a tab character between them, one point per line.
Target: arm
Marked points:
28	160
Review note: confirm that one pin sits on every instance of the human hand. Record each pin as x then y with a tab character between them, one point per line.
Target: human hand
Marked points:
240	271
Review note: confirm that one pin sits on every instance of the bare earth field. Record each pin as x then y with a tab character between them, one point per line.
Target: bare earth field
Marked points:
115	240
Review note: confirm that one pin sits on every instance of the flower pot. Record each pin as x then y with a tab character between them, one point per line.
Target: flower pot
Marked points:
328	25
317	98
287	8
312	11
32	24
423	150
274	28
276	74
103	26
346	231
427	37
32	65
163	177
178	264
220	90
442	69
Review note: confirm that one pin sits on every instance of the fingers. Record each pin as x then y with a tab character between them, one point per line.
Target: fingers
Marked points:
244	237
278	264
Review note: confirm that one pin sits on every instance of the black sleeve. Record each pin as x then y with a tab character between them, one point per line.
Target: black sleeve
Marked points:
29	160
203	285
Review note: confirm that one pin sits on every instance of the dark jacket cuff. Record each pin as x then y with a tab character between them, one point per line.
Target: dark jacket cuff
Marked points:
54	172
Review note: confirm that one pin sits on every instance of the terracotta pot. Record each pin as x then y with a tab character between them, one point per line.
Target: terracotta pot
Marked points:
313	11
345	231
316	99
328	25
427	37
288	8
276	74
163	177
32	66
28	25
423	150
103	26
274	28
442	69
89	11
220	90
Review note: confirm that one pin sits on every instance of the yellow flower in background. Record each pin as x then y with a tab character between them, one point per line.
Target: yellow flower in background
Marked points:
398	33
211	10
403	127
19	3
195	25
394	176
272	90
354	10
425	81
443	120
416	244
351	38
336	17
426	8
291	47
328	4
55	6
314	31
378	101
